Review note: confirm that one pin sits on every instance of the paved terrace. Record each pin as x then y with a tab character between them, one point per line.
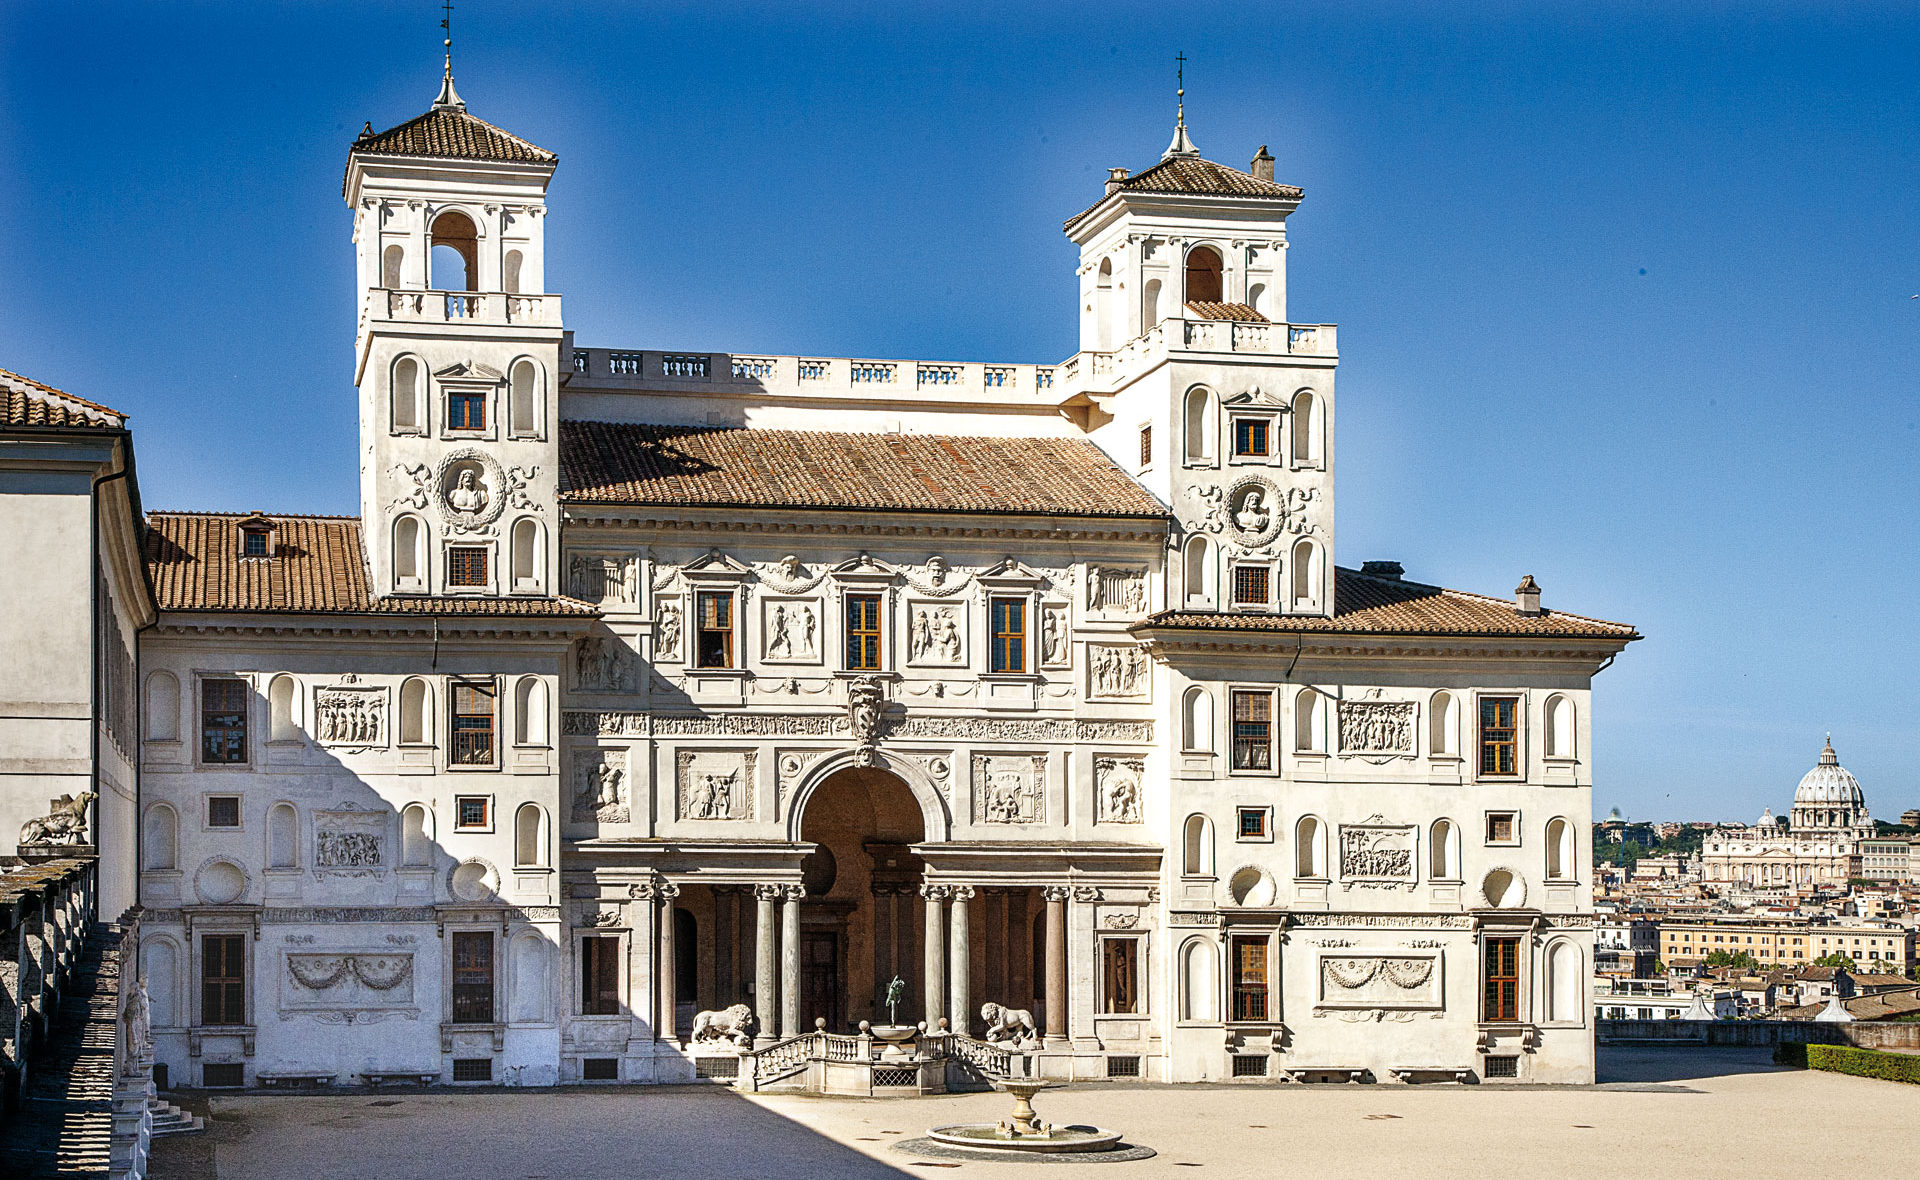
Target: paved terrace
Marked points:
1701	1113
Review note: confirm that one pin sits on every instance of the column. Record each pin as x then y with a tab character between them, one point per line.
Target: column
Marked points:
667	1025
883	962
763	984
790	962
934	977
1056	896
960	1010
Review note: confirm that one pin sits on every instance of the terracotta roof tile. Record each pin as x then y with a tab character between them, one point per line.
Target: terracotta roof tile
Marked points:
1197	177
449	132
26	402
195	562
1386	606
624	463
1226	311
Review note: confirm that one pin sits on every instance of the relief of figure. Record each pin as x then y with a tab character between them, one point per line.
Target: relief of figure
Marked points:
467	495
920	641
937	570
597	794
779	643
947	635
1119	791
1252	516
1053	637
666	644
935	635
806	631
710	796
600	664
1118	672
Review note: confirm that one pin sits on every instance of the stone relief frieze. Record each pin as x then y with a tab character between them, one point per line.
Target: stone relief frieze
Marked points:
937	634
791	631
1380	981
600	788
792	686
1385	921
350	841
1009	788
1117	672
361	982
715	784
1252	511
587	723
351	717
1378	727
1376	854
1193	918
601	663
604	578
1116	589
1118	784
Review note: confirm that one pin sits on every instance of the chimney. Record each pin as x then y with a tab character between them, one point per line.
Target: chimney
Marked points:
1526	596
1262	168
1114	177
1390	570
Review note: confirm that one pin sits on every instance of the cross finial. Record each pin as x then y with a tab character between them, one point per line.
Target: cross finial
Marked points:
1180	95
446	22
1182	144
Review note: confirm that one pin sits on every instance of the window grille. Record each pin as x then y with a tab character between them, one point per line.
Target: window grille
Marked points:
1250	437
1503	1067
1123	1067
223	811
1252	730
223	721
473	986
1009	635
1252	585
863	632
223	1075
473	724
467	567
1499	735
600	1069
473	1069
718	1068
1249	1065
885	1077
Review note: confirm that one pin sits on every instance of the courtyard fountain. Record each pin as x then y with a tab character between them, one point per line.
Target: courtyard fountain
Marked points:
1024	1134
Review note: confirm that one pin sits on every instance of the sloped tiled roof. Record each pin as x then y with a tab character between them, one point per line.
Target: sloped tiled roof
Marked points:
1206	310
624	463
1384	606
26	402
194	559
1193	176
449	132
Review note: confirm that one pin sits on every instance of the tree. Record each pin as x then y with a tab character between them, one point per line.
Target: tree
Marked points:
1738	960
1844	962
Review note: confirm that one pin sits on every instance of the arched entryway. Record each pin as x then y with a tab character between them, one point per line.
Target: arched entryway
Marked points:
859	921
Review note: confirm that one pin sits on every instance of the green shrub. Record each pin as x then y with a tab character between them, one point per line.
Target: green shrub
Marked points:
1786	1053
1865	1063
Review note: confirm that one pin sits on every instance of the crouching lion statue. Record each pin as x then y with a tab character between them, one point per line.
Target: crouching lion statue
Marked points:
733	1026
1011	1025
65	824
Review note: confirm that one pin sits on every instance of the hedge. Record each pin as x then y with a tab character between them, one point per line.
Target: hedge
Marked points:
1790	1053
1865	1063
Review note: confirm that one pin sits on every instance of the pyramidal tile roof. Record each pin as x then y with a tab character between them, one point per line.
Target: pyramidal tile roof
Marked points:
1190	175
448	132
26	402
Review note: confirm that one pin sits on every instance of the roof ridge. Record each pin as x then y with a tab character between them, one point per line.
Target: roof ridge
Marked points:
188	512
704	428
8	374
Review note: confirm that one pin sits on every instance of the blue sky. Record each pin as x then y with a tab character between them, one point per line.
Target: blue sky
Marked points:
1623	292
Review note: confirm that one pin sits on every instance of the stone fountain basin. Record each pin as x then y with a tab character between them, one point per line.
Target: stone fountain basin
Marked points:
989	1137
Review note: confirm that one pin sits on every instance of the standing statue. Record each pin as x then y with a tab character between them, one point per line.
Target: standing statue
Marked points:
66	823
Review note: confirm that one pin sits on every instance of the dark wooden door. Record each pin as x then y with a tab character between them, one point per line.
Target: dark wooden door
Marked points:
820	993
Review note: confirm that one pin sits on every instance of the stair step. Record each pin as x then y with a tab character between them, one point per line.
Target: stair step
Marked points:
169	1119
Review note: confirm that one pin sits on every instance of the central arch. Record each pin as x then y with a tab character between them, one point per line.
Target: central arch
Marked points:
936	821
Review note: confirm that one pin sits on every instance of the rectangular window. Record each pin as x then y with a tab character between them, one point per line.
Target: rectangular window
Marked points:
1499	735
223	979
1252	731
1120	971
1503	979
1146	447
467	566
1253	823
466	410
1009	635
1250	437
1249	964
472	724
472	813
1501	827
863	632
473	977
223	721
713	646
1251	585
253	542
223	811
600	976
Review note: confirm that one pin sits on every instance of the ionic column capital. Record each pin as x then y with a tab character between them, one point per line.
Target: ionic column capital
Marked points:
793	892
767	892
935	892
1056	892
961	892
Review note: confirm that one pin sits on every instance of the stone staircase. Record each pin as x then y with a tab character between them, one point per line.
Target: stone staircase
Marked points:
169	1119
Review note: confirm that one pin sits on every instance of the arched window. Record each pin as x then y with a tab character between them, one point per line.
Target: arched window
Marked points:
160	843
1196	721
280	696
1309	727
390	265
1443	851
455	256
1199	993
1196	852
1564	984
527	561
1559	850
1204	271
163	707
1307	575
529	842
1306	428
530	711
524	406
1150	306
408	398
510	276
1560	733
409	555
1257	297
415	838
283	836
1310	849
415	707
1443	726
1103	305
1199	572
1199	424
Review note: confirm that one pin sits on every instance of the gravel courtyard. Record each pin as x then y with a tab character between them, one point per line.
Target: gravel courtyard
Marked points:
1699	1113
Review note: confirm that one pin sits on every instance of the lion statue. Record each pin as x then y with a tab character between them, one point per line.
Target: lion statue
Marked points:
732	1026
1010	1025
65	824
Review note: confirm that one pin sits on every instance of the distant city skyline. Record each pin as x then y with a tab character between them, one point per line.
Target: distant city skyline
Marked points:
1623	296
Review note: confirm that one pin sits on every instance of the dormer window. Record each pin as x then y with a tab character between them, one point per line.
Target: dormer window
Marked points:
256	537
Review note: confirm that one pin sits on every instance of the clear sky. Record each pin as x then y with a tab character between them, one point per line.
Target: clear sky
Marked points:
1623	290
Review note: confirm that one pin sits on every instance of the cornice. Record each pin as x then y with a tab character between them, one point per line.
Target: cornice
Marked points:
183	623
662	519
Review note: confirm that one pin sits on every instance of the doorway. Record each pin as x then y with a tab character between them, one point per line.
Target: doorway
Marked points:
820	990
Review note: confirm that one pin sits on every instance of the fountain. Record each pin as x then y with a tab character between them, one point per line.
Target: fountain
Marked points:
1024	1134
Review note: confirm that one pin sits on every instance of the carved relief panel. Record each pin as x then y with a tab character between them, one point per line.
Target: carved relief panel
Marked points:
1382	982
1119	787
605	579
350	841
1009	788
1117	672
937	634
1056	636
603	663
1377	855
1384	729
349	987
791	631
715	784
669	625
600	787
350	717
1116	590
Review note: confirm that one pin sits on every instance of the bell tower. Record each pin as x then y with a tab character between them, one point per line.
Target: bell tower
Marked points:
457	356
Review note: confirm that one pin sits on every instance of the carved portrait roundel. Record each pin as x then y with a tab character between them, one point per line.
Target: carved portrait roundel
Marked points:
1256	511
470	489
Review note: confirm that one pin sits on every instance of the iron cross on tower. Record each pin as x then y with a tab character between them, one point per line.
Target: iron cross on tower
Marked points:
1180	60
446	22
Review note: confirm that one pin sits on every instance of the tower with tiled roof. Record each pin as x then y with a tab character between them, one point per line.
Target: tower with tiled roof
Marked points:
457	356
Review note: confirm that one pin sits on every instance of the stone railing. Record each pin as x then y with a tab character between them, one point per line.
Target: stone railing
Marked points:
1862	1034
993	1061
46	911
812	377
782	1059
459	307
133	1092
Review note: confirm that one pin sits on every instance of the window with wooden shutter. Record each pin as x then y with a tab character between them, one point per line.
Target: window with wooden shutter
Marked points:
223	979
1249	962
1502	973
473	977
600	976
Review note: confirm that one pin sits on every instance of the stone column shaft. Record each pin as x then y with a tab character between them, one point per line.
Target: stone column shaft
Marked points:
790	963
1056	966
763	978
934	981
960	1007
669	967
